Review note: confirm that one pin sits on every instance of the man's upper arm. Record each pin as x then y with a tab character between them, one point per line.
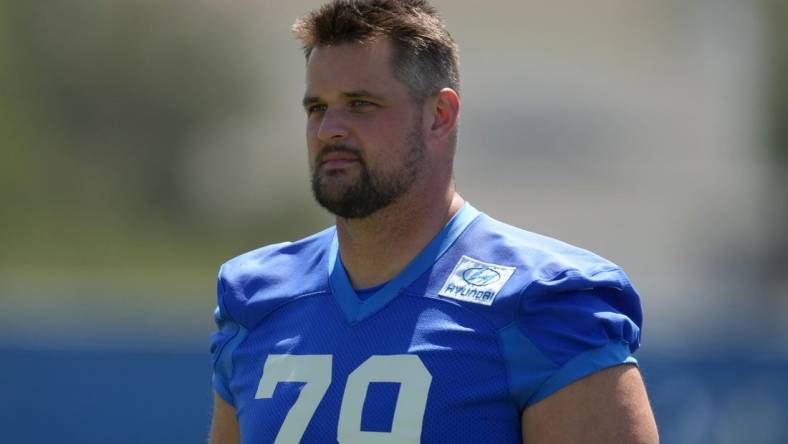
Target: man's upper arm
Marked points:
224	425
609	406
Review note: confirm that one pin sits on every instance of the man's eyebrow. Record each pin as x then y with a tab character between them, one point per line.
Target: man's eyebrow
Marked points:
361	93
309	100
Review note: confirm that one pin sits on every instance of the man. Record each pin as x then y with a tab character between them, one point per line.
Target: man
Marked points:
416	318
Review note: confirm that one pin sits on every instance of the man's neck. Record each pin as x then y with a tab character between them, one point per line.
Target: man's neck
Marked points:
377	248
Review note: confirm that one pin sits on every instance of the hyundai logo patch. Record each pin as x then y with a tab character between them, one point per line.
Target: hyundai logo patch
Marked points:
475	281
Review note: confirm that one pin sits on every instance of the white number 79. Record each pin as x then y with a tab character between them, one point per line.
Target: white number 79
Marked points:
315	371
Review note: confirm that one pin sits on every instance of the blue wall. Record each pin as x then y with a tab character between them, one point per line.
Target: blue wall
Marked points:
104	397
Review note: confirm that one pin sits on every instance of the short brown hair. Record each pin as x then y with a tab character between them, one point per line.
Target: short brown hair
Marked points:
425	56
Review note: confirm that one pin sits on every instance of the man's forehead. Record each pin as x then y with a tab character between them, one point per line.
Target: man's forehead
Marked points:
350	67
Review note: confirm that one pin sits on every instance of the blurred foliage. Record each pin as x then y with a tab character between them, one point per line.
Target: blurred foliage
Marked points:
777	14
776	256
97	101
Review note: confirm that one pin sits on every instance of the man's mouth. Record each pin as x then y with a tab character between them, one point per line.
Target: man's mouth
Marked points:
338	159
338	163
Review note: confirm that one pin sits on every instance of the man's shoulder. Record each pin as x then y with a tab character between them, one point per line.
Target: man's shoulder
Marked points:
256	282
495	269
539	257
281	257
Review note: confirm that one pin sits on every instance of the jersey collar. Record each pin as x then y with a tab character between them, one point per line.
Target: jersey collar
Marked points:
356	309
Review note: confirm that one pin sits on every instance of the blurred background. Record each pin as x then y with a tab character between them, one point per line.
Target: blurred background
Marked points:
143	143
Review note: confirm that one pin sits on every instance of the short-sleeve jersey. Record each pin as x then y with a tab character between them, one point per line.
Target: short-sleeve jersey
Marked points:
487	320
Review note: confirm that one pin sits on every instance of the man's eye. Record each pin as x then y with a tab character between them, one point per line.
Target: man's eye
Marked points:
315	109
360	103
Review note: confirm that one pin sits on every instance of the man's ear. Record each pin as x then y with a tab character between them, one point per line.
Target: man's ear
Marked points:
444	110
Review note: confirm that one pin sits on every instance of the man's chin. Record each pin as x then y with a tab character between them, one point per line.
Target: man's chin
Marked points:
335	191
340	208
331	194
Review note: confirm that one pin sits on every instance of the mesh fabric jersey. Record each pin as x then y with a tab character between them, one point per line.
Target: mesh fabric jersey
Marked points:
487	320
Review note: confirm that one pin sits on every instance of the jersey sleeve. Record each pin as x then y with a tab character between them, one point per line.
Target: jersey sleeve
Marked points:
569	327
223	343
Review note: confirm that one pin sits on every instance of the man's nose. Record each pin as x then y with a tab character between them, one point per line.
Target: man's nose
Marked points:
332	127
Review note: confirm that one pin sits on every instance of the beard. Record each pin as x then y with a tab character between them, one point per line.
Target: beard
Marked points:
359	197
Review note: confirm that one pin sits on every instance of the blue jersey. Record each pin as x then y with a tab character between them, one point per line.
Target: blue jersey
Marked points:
487	320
